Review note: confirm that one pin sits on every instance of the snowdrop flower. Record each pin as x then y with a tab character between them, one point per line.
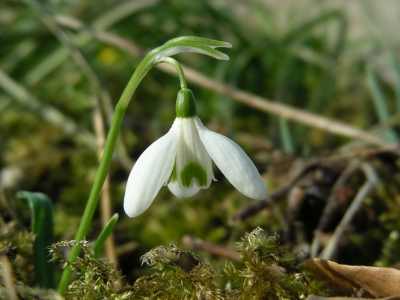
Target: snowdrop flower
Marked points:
182	158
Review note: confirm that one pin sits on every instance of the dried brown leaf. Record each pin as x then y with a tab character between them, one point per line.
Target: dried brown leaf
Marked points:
313	297
377	282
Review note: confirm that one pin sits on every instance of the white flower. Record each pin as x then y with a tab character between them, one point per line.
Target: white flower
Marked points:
182	158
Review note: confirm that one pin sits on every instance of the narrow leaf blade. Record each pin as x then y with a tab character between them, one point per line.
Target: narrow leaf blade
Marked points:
105	233
43	228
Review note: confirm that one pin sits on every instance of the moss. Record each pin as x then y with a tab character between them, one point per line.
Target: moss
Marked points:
267	271
18	247
97	278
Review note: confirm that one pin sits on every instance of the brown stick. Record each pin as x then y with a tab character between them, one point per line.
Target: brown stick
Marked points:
367	187
257	102
8	277
198	244
277	195
105	202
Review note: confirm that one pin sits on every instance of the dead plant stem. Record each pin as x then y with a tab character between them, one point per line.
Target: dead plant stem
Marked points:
263	104
370	184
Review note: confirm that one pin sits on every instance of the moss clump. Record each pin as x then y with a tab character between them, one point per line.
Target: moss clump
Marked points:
267	271
172	282
18	248
97	278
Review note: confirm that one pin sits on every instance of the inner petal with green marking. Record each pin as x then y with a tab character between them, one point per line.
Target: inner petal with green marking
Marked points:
192	164
192	172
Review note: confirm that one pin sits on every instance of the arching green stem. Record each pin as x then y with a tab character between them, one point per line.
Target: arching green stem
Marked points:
178	70
172	47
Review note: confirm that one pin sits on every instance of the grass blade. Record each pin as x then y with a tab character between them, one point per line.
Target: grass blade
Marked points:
286	136
381	108
105	233
396	74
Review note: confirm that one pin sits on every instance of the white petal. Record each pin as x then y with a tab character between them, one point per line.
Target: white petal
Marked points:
233	163
149	174
182	193
193	163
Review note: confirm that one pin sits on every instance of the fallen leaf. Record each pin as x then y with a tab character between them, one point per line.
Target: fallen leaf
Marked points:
313	297
348	280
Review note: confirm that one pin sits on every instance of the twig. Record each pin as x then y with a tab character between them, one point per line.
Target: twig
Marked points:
374	130
105	208
331	204
363	153
126	248
198	244
282	110
109	38
8	277
368	186
277	195
260	103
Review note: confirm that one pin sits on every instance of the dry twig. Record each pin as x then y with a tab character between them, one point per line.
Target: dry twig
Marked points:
257	102
331	205
105	204
368	186
8	277
278	194
197	244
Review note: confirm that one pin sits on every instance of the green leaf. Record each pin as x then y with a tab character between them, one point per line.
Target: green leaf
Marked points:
42	227
200	40
189	44
105	234
286	136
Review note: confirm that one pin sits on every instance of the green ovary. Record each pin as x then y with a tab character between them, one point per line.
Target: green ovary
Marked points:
191	171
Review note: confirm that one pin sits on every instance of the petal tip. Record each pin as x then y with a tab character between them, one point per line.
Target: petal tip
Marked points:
261	194
132	209
259	190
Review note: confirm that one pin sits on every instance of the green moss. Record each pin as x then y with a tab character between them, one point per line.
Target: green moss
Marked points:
97	278
255	278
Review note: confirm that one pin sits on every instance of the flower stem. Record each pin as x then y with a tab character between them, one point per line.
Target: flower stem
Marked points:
93	200
172	47
179	70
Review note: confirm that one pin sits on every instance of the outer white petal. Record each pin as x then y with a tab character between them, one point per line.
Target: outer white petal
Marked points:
233	163
182	193
149	174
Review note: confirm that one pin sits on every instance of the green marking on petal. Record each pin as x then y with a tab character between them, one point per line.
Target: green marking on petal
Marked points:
174	176
191	171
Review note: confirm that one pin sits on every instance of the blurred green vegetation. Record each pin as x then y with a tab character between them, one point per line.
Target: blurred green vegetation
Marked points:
311	56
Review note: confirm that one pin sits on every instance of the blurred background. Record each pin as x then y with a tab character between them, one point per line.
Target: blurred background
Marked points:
64	65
